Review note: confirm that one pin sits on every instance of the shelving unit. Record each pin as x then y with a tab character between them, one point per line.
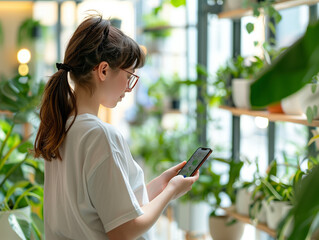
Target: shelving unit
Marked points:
246	219
273	117
204	9
162	28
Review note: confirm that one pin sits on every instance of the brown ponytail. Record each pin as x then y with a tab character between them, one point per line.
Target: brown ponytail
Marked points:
94	41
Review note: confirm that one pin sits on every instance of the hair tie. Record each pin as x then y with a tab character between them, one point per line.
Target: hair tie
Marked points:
63	66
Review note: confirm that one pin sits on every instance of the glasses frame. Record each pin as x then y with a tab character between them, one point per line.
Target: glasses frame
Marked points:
134	75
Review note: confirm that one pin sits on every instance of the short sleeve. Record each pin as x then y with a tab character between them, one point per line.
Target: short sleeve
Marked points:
111	194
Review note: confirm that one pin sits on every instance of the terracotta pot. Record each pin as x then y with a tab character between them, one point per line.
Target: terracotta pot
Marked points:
219	229
275	108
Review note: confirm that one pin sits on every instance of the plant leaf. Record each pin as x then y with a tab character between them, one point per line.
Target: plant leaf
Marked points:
250	28
313	139
309	114
20	227
289	72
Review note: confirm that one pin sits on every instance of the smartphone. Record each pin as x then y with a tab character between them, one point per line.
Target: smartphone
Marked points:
196	160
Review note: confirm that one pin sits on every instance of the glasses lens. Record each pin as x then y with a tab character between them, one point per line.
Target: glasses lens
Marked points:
132	82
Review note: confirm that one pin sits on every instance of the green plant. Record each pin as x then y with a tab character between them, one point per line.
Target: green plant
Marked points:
21	176
238	67
16	168
29	31
267	9
306	210
212	187
166	89
155	26
159	148
295	67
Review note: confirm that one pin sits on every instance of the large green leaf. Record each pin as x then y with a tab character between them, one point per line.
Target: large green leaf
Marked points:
289	72
307	205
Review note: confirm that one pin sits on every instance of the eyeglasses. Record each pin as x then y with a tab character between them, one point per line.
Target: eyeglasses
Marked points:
132	80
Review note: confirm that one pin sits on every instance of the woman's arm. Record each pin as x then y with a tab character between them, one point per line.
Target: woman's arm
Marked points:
158	184
176	187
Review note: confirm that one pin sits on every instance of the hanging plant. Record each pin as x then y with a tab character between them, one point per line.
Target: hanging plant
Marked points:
29	31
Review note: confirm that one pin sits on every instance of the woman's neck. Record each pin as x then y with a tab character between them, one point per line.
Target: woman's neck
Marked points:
86	103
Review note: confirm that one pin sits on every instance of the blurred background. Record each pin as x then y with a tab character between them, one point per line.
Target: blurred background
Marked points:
192	47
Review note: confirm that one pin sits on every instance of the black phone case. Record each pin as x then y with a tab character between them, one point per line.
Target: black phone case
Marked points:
194	166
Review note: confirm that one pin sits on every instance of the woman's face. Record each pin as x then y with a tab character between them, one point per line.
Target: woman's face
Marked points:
115	87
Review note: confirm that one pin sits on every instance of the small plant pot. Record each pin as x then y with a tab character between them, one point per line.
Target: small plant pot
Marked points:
192	217
274	214
241	92
243	201
258	213
275	108
220	230
6	230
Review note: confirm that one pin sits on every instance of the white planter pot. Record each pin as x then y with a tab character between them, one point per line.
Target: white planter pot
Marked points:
192	217
297	103
219	229
241	92
243	201
5	229
274	213
259	212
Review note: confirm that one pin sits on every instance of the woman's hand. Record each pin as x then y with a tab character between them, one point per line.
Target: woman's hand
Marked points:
180	185
157	185
170	173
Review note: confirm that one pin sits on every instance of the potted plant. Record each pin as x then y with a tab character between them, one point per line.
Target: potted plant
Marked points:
29	31
156	29
241	71
17	191
166	91
304	101
269	50
213	189
21	176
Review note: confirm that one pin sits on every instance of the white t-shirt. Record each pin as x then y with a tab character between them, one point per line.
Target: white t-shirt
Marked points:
96	187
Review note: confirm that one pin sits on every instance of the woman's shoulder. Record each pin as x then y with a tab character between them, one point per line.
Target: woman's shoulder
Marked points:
94	126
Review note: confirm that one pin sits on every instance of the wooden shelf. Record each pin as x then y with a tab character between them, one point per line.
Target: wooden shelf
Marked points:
273	117
282	4
165	27
246	219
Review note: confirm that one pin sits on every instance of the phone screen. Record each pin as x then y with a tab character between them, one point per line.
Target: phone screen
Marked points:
194	163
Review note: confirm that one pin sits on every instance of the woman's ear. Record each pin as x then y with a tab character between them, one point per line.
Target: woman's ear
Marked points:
103	70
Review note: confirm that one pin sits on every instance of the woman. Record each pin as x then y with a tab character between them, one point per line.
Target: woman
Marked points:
93	188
